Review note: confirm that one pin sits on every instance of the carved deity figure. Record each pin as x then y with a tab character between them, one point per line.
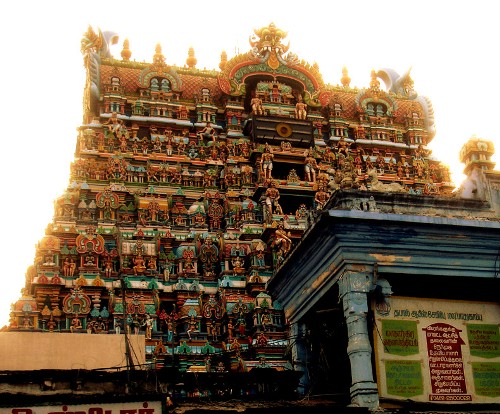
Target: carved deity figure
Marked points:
257	106
259	254
108	267
66	267
238	264
76	324
149	326
123	143
245	149
300	109
282	241
139	265
310	166
265	321
51	324
266	162
89	260
208	132
152	265
114	124
321	197
209	255
272	196
286	145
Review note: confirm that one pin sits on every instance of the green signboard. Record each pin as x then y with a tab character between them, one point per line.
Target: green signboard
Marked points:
486	378
400	337
484	340
404	378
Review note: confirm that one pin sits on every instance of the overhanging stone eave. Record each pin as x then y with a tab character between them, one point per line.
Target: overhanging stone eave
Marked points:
324	230
413	218
412	204
302	280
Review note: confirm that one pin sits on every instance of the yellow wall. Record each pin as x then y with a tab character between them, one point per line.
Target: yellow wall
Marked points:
22	351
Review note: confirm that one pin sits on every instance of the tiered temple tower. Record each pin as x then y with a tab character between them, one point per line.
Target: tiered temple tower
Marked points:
190	187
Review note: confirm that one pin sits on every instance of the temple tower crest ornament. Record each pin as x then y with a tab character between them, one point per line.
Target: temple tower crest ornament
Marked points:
269	57
160	69
267	47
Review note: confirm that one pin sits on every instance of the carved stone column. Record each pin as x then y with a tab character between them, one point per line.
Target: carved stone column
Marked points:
300	355
353	290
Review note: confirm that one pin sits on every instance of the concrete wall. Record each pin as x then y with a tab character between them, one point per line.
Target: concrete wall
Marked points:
23	351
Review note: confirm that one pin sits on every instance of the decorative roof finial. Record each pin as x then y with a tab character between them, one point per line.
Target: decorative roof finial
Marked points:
158	57
191	60
374	83
126	52
91	41
223	60
345	79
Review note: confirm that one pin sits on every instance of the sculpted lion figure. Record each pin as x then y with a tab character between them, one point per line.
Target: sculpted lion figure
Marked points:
376	185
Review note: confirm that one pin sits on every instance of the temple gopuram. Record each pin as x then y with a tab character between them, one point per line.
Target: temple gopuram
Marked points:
196	207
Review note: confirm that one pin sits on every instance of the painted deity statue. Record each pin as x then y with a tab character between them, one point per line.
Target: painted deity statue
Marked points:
300	109
266	162
256	104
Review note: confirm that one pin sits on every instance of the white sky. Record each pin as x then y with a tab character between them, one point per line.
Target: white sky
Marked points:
452	47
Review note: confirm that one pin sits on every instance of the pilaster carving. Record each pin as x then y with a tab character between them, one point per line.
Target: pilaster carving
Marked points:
353	290
299	354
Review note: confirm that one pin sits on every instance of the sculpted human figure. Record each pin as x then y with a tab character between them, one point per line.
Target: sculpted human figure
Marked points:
48	260
282	240
27	322
152	264
51	324
260	254
272	195
75	324
181	147
66	267
238	264
209	254
169	142
170	330
108	268
266	162
123	143
310	166
230	328
114	124
275	94
139	265
286	145
149	326
300	109
144	146
157	144
72	267
257	106
208	132
89	260
265	321
321	197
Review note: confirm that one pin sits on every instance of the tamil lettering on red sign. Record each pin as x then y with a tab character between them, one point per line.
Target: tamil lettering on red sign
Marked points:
446	367
152	407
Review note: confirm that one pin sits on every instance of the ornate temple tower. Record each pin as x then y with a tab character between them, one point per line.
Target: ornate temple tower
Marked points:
191	188
477	153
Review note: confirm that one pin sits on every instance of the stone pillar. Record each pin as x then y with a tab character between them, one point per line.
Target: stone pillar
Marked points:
300	354
353	290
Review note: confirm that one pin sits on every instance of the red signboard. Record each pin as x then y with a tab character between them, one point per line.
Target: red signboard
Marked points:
150	407
446	366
